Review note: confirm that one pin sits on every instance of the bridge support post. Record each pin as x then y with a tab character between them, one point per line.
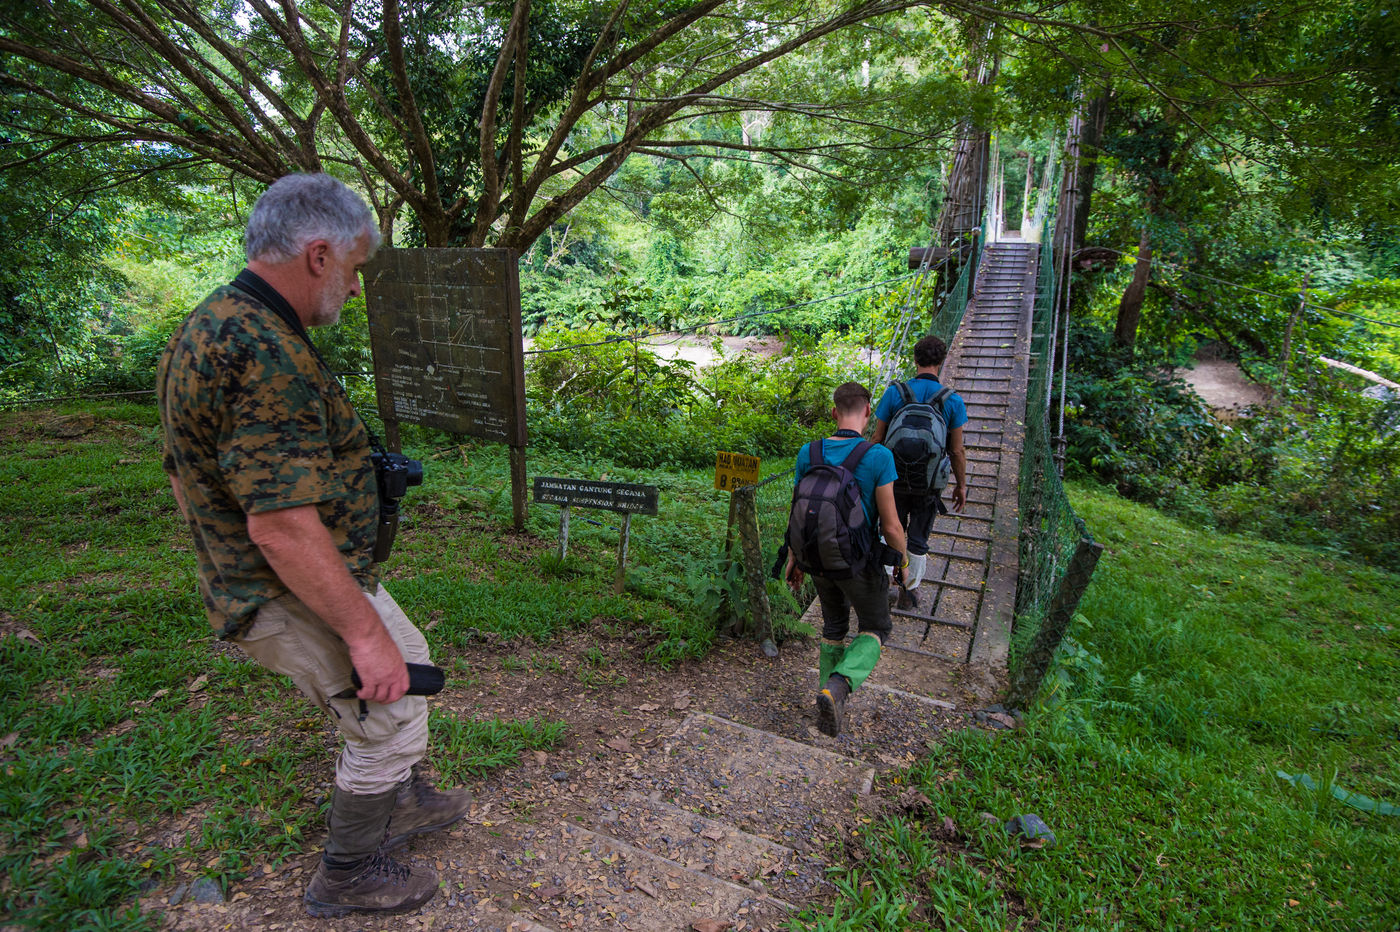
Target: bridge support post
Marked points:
1036	663
746	505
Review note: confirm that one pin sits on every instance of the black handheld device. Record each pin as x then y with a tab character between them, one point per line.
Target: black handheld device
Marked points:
424	679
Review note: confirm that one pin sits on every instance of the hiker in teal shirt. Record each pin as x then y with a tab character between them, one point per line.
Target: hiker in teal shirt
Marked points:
919	511
842	668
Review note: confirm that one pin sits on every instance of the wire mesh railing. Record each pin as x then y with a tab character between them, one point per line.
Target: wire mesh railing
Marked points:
947	316
1057	552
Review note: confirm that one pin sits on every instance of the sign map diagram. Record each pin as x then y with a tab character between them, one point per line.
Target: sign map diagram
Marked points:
445	332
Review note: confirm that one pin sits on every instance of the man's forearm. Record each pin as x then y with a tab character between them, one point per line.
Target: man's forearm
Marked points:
959	459
890	525
958	454
300	551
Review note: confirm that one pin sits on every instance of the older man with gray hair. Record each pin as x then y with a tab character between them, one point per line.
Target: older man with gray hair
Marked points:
271	467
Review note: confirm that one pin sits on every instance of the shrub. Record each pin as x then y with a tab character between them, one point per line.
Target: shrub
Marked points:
1323	470
621	401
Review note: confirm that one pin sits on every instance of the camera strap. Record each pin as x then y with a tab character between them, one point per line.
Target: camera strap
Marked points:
253	285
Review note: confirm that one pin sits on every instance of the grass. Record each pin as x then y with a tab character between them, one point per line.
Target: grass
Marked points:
119	720
464	748
1200	666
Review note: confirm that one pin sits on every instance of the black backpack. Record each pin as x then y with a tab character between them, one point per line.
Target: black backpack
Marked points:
918	438
828	533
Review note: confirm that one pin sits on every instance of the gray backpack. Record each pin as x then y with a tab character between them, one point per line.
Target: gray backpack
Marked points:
828	533
918	438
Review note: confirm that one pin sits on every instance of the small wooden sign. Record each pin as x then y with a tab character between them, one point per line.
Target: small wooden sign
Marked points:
626	497
735	470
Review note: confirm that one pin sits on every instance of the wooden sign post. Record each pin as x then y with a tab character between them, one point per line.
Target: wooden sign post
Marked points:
625	497
444	328
737	473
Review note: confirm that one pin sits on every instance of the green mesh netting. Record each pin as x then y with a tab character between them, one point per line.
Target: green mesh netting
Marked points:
1050	530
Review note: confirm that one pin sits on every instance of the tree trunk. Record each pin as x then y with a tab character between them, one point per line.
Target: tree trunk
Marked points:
1095	122
1130	307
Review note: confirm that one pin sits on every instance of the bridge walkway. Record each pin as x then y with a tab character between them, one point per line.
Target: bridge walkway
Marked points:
967	599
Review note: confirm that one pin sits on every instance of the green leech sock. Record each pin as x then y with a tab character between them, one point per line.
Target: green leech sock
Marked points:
828	656
859	660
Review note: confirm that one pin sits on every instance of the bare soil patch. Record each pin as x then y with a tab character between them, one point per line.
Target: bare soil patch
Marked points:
1224	387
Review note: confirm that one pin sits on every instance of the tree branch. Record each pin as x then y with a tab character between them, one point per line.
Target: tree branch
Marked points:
490	168
418	140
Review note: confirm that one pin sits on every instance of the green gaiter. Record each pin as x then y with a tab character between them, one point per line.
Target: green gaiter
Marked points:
828	657
859	660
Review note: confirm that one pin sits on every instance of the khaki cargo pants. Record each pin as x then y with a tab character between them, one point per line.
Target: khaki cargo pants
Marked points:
379	752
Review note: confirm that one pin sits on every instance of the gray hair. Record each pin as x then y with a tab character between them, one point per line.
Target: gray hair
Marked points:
298	209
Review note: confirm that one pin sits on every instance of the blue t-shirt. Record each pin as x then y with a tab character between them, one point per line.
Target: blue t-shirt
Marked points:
923	388
876	468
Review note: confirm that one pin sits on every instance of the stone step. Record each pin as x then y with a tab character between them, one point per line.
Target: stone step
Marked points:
884	729
711	847
579	879
872	686
782	789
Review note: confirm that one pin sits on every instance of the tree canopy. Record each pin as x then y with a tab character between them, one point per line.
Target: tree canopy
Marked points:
489	121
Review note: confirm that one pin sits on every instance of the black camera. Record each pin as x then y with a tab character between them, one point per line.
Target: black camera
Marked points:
393	473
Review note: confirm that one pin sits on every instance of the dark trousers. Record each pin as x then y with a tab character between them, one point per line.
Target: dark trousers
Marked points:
867	593
916	513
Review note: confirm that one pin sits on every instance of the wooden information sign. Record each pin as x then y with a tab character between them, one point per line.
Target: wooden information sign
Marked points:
626	497
586	493
735	470
444	328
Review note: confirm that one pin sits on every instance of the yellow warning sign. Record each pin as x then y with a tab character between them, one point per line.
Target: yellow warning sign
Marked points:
734	470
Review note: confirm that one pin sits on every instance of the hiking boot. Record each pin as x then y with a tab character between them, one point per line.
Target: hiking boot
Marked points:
831	705
421	807
374	884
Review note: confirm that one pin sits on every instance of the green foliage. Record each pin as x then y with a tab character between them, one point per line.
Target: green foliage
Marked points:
621	401
719	591
463	748
1128	422
1322	469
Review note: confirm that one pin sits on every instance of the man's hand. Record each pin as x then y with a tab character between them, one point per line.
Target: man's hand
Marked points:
383	673
793	575
959	496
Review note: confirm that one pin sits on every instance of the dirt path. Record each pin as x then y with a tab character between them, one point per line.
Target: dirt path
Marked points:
1224	387
698	793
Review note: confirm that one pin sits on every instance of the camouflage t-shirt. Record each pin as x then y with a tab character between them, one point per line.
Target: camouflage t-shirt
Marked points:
253	423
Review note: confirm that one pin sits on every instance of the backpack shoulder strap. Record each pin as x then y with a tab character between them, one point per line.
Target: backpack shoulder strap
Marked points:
814	453
942	395
905	395
853	460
